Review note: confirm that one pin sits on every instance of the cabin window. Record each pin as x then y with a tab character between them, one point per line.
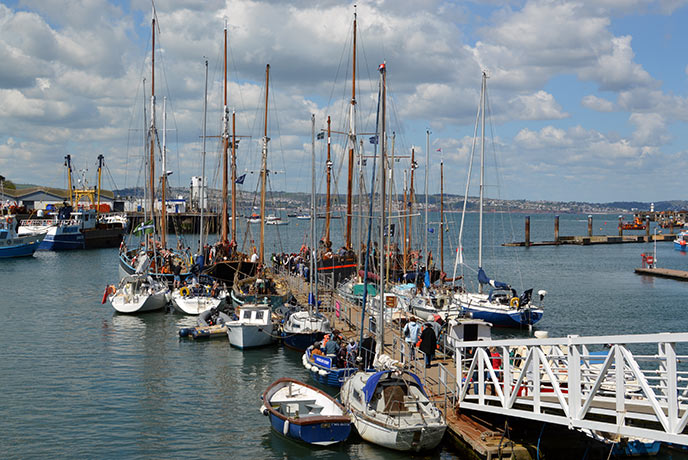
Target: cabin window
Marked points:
3	235
357	395
259	315
247	315
470	332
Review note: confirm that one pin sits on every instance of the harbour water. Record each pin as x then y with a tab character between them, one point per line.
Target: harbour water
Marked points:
79	381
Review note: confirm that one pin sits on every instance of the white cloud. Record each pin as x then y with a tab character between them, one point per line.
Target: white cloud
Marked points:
538	106
598	104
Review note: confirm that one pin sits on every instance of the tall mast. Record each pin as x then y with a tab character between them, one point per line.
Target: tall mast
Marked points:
225	146
482	172
383	183
234	141
202	200
352	143
312	301
151	159
329	179
442	215
412	196
263	169
404	236
360	205
427	166
163	177
389	204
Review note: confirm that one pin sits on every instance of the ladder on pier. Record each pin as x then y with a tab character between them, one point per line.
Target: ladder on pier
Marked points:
634	386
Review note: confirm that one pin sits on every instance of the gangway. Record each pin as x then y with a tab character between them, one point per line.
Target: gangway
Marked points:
634	386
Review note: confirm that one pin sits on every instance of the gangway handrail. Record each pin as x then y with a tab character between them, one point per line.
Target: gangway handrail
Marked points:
560	380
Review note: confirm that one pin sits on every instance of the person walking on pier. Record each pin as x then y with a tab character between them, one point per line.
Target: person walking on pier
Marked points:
411	334
428	344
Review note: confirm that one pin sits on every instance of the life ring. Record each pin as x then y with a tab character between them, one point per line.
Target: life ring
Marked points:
514	302
184	291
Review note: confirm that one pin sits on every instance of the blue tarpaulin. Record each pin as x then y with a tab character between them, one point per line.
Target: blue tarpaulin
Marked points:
373	380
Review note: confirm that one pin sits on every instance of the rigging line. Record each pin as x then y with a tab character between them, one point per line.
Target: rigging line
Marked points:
345	48
275	119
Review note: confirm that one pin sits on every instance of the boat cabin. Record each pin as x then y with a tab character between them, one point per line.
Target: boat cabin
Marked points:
467	330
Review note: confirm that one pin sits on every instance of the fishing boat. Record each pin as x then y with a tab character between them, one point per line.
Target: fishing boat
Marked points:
14	245
254	327
637	224
137	293
276	220
304	413
501	306
681	241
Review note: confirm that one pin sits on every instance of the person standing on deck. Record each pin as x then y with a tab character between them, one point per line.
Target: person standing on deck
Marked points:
411	333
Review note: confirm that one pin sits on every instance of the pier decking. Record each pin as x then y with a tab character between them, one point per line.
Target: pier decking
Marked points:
680	275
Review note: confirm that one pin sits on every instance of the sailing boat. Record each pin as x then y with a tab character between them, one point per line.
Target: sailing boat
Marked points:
228	261
303	328
262	285
337	266
501	306
389	406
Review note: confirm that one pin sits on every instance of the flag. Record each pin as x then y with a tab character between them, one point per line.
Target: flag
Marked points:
240	179
373	139
427	279
144	228
439	150
381	67
321	135
431	230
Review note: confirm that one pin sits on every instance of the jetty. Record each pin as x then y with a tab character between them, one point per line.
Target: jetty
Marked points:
680	275
569	385
590	239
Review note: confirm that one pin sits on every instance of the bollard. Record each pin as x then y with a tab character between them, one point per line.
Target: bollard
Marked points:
556	229
620	225
527	231
589	224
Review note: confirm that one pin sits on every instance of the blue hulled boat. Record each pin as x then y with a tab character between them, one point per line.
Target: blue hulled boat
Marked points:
324	369
304	413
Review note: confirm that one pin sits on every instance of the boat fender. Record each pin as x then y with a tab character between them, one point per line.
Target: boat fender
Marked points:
304	360
184	291
322	372
184	332
109	289
264	410
285	430
514	303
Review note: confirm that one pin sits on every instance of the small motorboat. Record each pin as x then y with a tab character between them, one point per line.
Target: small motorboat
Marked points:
210	324
253	328
304	413
681	241
302	329
197	298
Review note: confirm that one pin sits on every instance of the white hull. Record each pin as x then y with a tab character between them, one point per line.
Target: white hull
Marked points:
249	335
193	305
138	303
408	439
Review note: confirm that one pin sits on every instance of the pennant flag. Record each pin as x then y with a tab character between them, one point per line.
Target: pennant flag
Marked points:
240	179
381	67
439	150
144	228
320	135
431	230
373	139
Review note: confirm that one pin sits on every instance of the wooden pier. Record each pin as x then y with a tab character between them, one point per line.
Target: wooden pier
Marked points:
680	275
475	437
590	239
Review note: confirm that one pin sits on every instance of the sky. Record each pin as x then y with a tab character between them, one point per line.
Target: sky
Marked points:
587	100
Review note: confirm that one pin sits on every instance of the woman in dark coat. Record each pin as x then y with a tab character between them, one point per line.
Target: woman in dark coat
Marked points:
428	344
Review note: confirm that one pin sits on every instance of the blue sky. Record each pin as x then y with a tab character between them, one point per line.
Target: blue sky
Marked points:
588	98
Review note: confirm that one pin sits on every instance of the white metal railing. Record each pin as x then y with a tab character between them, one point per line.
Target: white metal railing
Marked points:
629	385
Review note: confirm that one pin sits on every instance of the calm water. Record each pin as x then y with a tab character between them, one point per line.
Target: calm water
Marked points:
77	380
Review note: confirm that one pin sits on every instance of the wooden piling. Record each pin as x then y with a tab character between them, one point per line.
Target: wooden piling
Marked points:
620	225
590	225
527	231
647	225
556	229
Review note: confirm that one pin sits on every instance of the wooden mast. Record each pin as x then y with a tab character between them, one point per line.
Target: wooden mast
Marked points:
163	177
382	253
405	257
442	215
412	196
329	179
263	171
151	159
234	176
352	141
225	142
100	173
